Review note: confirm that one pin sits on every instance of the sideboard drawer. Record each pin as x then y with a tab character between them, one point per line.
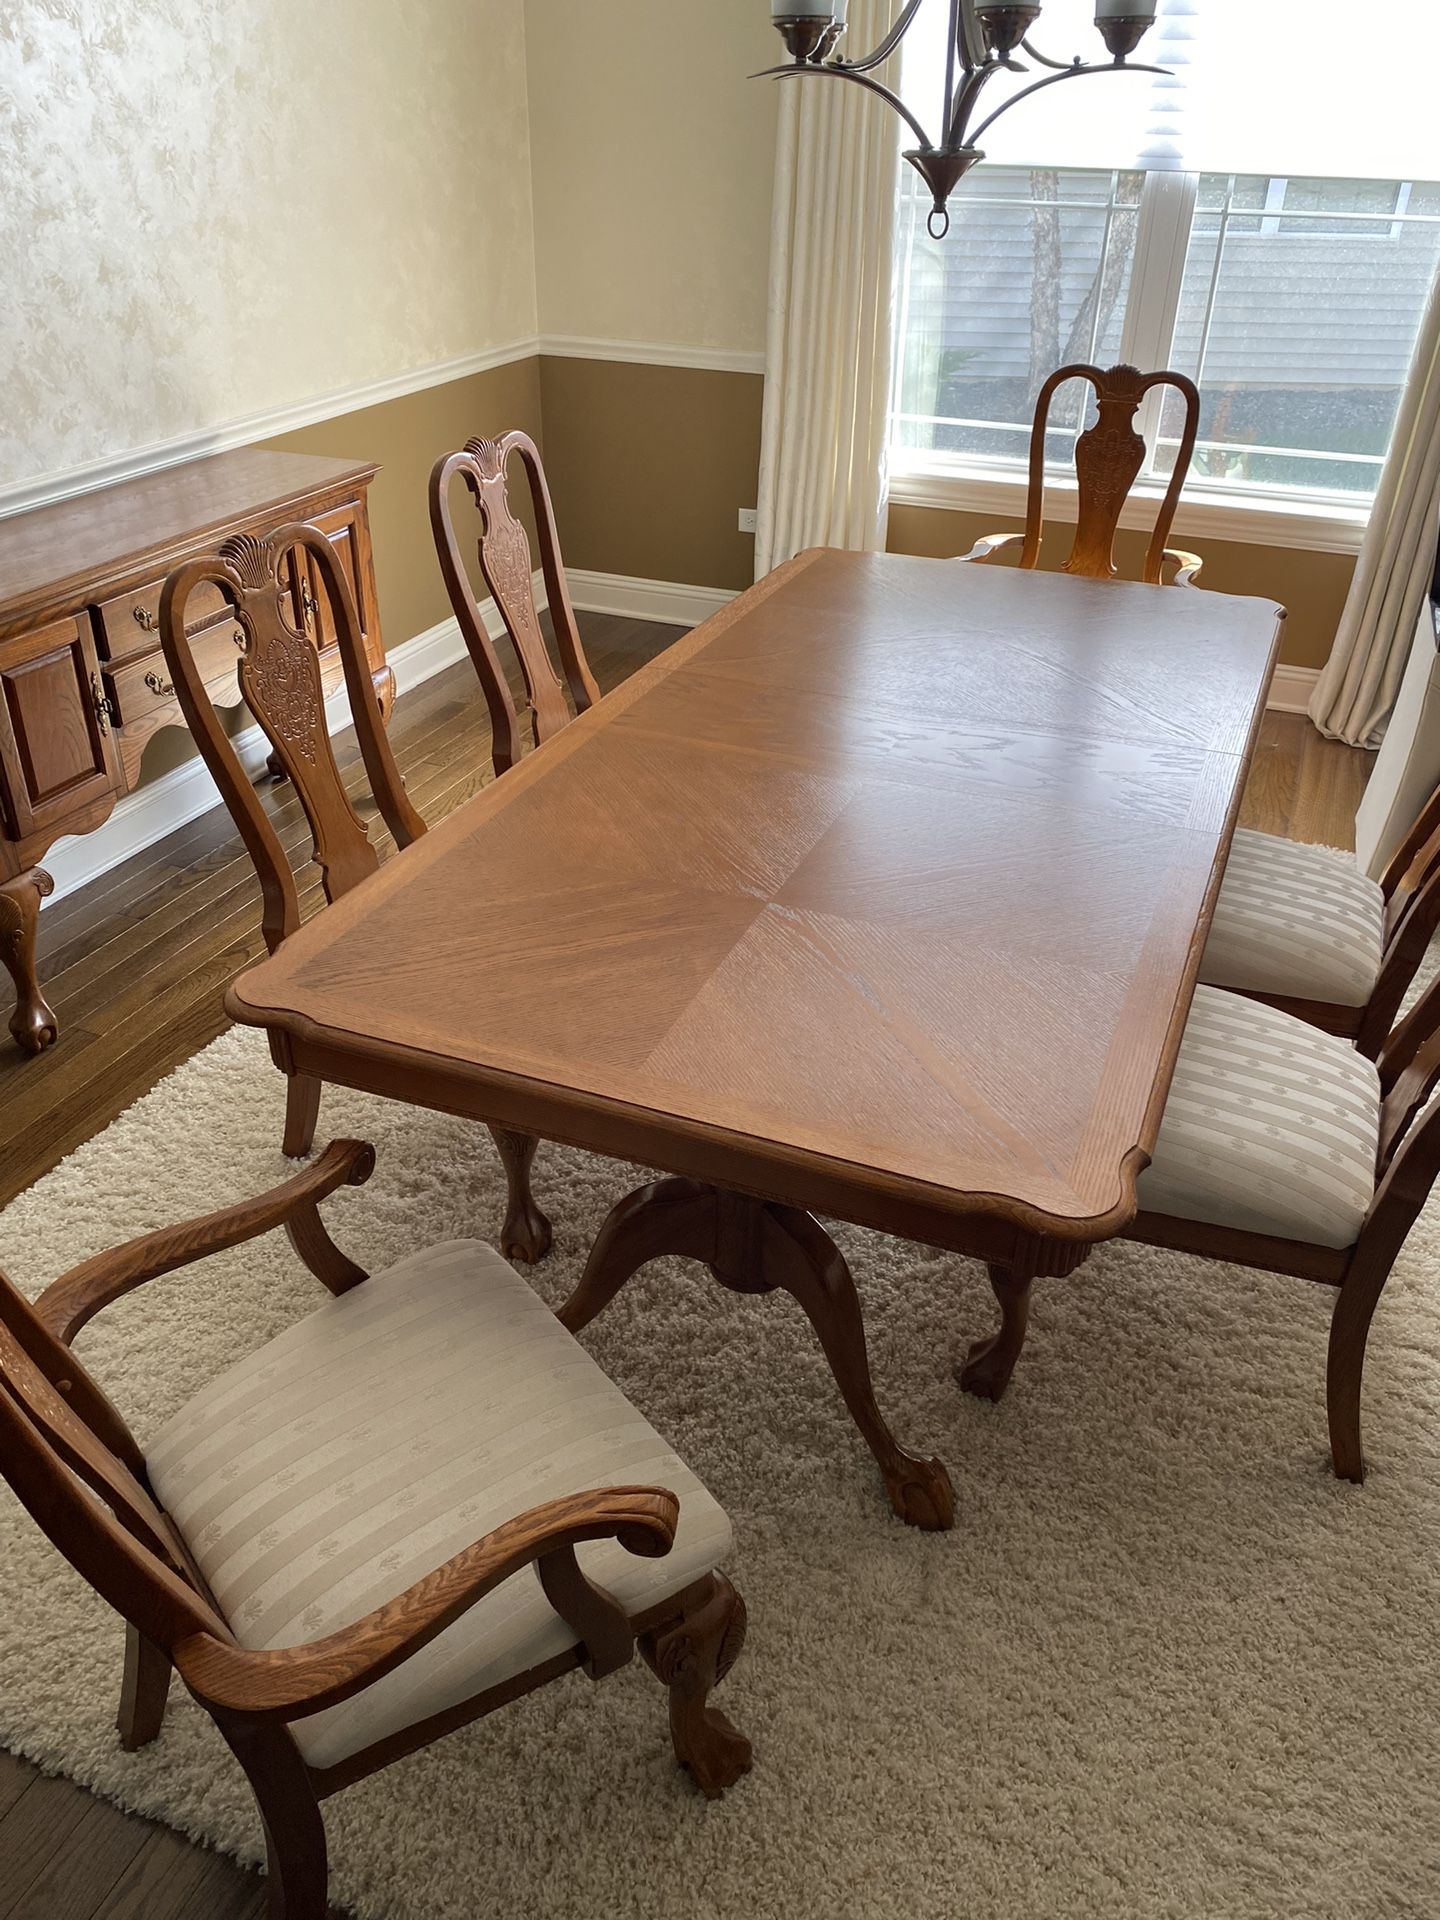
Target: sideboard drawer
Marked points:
130	623
138	689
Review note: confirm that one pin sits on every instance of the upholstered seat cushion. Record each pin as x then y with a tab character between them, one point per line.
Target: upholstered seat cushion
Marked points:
1271	1126
1298	921
397	1424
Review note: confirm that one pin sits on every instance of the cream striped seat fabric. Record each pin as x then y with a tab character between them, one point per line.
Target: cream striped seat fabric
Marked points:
1294	920
1271	1126
362	1448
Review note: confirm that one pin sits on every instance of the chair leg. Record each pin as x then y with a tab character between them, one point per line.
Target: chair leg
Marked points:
144	1692
296	1859
302	1111
1345	1367
526	1232
987	1367
691	1656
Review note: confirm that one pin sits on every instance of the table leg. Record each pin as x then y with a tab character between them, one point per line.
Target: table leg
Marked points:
526	1233
757	1246
32	1023
986	1369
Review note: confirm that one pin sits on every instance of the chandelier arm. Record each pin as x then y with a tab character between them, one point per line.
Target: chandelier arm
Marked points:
975	83
856	79
1060	66
1058	79
886	47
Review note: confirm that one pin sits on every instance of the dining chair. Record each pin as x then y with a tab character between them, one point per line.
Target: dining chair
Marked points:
1281	1148
279	676
1108	459
1305	929
505	564
332	1542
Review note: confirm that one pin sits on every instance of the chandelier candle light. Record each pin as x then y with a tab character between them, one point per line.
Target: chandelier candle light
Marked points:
983	42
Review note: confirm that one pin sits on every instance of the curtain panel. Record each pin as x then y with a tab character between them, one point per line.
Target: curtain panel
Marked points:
1358	687
829	345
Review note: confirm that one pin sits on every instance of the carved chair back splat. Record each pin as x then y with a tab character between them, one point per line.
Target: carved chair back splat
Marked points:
62	1442
1108	459
505	563
280	680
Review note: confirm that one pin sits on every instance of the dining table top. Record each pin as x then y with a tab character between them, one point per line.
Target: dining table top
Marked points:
882	892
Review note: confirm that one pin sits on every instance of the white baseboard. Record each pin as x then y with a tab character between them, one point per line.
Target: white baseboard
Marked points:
635	599
178	797
1291	689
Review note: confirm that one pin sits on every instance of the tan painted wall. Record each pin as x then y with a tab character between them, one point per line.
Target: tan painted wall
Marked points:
649	467
653	160
220	207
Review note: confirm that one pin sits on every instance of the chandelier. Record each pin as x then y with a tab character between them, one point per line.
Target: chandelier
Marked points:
983	42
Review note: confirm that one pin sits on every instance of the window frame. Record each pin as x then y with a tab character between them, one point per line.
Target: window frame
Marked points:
1307	519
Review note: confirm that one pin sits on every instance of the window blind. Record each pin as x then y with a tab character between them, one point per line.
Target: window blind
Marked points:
1326	88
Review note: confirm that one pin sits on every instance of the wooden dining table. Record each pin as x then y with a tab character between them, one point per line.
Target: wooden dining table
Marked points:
879	896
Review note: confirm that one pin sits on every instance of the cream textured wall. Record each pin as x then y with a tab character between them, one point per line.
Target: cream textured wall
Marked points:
213	208
654	160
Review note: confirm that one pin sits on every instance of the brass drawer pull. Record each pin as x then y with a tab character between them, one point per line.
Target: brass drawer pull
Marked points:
146	619
159	685
104	707
308	600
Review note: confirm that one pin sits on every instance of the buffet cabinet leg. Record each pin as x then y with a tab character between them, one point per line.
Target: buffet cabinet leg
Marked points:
32	1023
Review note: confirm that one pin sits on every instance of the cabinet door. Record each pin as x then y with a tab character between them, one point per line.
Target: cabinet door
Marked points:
56	744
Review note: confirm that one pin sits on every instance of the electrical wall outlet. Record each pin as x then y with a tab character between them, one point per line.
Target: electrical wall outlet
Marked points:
747	519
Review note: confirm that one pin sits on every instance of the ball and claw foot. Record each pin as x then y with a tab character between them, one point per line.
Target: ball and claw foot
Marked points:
526	1235
33	1026
719	1757
986	1369
922	1496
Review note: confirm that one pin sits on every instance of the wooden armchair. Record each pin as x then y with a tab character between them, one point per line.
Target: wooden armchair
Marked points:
1281	1148
505	563
331	1613
1304	929
1108	457
280	681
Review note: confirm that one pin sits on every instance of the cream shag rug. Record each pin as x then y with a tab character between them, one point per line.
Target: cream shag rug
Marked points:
1165	1665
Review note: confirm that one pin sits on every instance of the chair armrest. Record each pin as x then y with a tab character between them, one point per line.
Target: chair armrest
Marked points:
290	1683
1188	563
990	545
77	1296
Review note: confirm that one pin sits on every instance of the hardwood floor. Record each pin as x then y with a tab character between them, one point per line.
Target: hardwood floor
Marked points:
134	967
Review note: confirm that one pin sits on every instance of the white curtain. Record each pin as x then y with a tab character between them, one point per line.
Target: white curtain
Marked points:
829	347
1354	694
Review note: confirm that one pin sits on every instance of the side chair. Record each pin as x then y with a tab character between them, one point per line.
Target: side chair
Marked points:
331	1611
280	681
1281	1148
505	563
1108	459
1304	929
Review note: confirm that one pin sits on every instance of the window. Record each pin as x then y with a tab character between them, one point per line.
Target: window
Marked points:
1294	304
